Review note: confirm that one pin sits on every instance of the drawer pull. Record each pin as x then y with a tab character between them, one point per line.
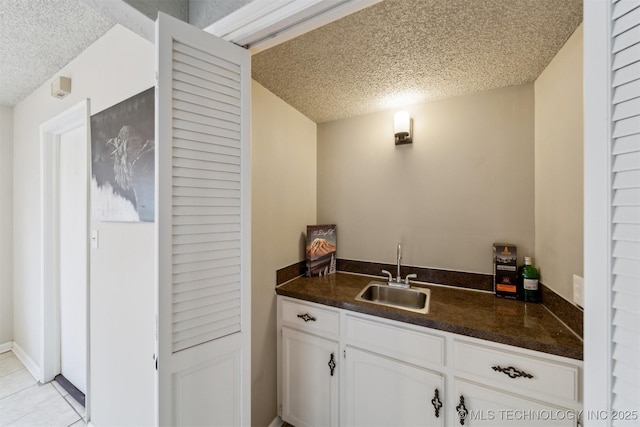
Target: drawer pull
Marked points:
332	364
512	372
462	411
306	317
437	403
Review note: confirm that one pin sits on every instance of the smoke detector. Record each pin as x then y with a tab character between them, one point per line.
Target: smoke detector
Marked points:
61	87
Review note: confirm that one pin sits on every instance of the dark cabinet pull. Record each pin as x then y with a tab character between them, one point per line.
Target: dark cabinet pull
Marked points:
437	403
306	317
512	372
462	411
332	364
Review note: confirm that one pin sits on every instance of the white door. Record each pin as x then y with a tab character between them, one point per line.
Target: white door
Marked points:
73	257
476	405
385	392
202	227
309	379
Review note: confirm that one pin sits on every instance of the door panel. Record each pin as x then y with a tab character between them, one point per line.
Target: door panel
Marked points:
310	386
73	257
203	219
386	392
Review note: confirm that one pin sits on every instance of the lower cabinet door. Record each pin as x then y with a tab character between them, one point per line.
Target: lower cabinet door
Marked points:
309	379
476	405
385	392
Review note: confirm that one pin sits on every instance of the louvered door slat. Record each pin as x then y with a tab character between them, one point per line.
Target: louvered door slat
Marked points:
624	6
187	295
183	290
206	201
626	22
204	110
214	64
626	91
197	99
625	205
627	109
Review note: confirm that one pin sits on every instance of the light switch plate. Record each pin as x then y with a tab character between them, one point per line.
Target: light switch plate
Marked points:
94	239
578	290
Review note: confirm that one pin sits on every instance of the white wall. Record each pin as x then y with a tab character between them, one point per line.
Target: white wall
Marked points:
283	168
559	168
6	226
465	182
115	67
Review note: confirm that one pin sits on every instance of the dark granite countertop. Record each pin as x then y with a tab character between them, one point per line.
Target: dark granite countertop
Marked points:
471	313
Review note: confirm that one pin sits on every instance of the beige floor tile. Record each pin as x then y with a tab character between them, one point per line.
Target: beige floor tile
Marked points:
15	382
79	423
26	401
6	354
76	406
55	412
9	365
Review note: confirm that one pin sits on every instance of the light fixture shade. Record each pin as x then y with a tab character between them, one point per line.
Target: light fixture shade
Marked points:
402	128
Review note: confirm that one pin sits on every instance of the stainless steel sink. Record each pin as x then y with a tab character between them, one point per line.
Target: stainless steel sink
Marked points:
411	299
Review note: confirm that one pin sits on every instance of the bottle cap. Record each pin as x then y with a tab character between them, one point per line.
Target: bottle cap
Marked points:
527	260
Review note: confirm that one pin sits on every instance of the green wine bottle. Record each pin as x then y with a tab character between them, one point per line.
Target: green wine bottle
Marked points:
529	279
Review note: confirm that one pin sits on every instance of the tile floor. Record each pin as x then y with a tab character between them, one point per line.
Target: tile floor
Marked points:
24	402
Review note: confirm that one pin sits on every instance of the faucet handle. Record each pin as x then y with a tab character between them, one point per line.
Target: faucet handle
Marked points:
410	276
388	274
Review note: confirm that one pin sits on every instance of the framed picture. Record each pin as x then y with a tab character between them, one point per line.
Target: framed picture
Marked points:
123	160
321	249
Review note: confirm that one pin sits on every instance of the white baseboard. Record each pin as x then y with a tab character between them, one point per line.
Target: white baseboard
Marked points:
27	361
6	347
277	422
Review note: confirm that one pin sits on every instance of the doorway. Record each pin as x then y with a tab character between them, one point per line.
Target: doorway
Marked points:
65	247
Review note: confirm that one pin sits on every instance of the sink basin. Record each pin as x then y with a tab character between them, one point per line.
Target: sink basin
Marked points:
411	299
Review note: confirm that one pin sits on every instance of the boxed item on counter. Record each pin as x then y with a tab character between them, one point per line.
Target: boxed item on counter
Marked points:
321	250
505	270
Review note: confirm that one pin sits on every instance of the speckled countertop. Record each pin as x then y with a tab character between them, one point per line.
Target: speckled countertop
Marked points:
471	313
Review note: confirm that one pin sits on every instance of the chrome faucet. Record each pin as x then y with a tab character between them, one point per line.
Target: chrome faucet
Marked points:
398	280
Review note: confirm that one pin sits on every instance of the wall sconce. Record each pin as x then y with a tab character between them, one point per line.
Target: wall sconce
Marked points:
403	128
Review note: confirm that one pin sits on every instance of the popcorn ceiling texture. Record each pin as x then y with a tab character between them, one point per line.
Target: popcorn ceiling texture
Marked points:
38	38
415	50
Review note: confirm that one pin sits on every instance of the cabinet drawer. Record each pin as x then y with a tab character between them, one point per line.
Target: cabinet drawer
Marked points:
540	377
310	317
400	343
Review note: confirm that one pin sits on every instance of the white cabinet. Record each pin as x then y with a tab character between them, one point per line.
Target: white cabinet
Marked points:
477	405
309	379
308	372
392	373
385	392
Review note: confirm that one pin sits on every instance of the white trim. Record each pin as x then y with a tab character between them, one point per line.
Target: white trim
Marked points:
27	361
597	204
277	422
262	24
50	131
6	347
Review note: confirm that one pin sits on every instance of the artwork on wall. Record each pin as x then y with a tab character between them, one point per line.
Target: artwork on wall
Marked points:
123	160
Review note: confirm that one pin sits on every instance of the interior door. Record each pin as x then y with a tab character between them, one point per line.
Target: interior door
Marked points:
73	257
202	227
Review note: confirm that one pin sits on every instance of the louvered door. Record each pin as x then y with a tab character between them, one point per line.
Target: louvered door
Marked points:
203	218
625	214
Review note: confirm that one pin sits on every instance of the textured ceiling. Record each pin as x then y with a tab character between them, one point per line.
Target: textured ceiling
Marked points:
401	52
38	38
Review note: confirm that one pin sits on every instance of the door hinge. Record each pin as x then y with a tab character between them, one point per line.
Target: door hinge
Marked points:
155	358
280	410
344	354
